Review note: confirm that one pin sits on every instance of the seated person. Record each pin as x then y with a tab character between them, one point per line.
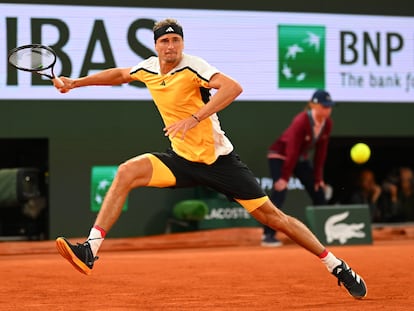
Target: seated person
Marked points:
399	189
368	191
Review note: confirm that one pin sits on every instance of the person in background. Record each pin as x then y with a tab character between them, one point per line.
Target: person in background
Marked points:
369	192
290	154
399	188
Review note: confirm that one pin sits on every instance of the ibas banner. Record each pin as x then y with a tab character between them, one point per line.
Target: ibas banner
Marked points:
276	56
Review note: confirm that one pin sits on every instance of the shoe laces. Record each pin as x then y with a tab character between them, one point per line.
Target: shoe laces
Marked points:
87	245
347	277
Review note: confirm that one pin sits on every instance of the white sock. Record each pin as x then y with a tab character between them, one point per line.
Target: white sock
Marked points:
330	261
95	240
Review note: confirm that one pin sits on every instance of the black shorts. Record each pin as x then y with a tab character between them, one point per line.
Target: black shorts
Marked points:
227	175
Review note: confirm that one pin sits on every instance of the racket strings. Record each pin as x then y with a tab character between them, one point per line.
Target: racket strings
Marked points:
32	59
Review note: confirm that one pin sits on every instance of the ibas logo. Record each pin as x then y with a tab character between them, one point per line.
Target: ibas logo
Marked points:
301	56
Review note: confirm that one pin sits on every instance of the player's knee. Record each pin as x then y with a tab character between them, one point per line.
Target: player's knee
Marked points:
124	176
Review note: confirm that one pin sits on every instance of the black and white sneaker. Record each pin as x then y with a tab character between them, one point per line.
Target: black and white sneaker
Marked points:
80	255
353	282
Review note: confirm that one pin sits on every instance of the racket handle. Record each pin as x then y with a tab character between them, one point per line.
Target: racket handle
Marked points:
58	81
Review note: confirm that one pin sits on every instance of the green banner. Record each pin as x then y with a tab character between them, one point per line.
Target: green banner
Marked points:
301	56
101	180
340	224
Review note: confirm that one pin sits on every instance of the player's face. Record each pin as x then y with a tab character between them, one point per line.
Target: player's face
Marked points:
169	48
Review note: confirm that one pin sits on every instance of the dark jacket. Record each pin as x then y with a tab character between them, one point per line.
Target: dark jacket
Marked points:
296	142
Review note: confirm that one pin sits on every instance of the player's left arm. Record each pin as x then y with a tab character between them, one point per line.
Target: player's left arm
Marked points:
228	90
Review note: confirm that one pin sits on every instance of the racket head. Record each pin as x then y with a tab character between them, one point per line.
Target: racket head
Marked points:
32	58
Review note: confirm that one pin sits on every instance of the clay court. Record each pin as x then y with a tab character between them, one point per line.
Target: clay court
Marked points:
207	270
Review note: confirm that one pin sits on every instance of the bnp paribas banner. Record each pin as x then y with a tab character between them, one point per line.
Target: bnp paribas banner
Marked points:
276	56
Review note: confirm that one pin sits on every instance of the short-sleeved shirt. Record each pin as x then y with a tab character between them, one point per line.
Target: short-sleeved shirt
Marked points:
179	94
205	157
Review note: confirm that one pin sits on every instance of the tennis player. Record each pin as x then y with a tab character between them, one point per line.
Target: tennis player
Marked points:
200	152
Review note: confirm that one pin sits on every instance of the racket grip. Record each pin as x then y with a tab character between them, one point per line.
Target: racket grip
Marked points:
58	81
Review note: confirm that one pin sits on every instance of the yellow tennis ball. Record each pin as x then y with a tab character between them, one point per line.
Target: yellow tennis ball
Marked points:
360	153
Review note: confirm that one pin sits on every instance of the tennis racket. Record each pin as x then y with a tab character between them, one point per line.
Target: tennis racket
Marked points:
35	58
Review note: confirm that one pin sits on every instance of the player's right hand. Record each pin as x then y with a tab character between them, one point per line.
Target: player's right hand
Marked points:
68	84
180	127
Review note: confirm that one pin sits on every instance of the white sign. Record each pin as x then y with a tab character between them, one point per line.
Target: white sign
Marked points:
276	56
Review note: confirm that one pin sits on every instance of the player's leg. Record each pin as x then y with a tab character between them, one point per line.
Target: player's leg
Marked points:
277	197
144	170
131	174
271	216
232	177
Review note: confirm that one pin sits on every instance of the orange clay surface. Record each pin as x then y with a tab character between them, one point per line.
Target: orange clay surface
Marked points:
222	269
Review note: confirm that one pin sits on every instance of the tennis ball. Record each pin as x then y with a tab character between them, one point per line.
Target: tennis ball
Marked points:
360	153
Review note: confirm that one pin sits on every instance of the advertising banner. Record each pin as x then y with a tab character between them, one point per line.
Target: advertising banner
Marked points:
276	56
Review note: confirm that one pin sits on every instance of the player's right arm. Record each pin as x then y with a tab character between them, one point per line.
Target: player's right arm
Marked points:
112	76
